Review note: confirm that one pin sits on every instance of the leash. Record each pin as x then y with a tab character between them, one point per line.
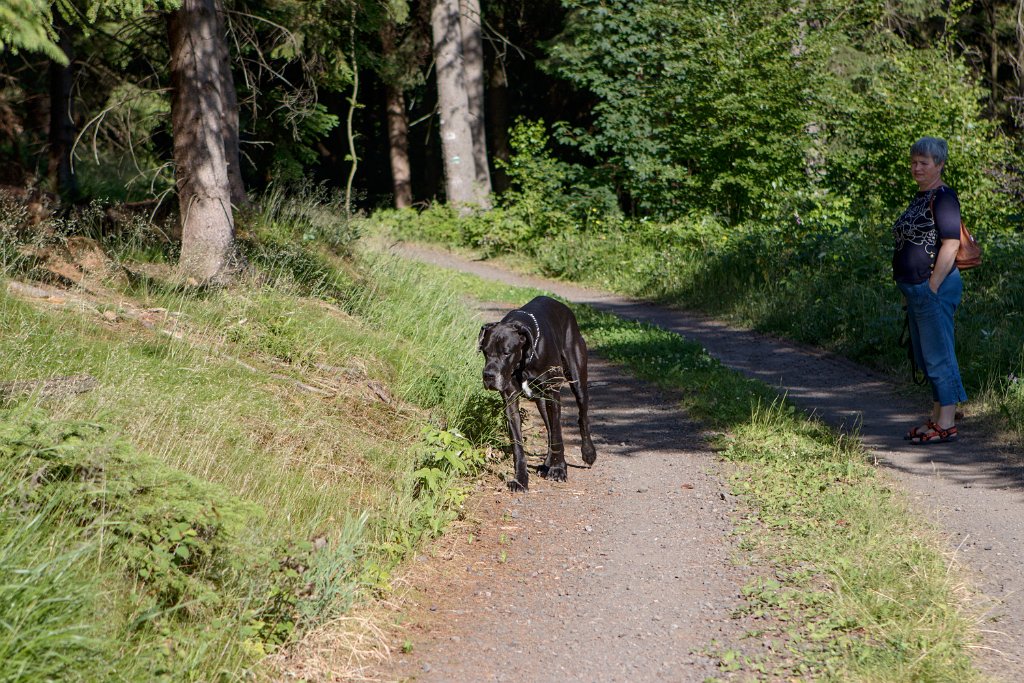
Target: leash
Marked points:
906	342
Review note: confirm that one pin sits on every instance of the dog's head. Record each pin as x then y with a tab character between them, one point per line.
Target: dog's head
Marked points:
504	346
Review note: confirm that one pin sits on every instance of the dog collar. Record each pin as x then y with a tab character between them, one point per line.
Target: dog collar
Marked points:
533	346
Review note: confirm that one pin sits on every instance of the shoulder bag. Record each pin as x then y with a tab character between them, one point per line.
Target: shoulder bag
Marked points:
969	254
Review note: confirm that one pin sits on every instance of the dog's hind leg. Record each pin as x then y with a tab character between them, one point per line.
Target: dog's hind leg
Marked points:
550	407
541	399
576	369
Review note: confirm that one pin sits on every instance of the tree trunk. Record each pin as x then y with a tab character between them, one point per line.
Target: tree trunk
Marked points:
398	138
993	57
197	116
62	123
497	121
398	127
1018	66
461	187
473	65
232	152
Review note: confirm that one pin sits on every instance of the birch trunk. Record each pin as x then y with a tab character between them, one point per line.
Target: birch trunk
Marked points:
473	66
461	187
197	111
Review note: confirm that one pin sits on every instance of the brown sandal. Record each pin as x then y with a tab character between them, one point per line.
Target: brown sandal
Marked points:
935	434
914	433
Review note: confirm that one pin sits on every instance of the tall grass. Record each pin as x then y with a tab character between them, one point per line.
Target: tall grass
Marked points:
310	399
46	599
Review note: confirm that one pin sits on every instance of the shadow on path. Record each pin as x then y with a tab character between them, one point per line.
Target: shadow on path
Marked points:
969	488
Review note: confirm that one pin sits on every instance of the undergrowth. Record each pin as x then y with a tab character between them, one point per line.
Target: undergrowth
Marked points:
251	464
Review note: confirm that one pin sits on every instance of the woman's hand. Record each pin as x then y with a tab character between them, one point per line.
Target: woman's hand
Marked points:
944	262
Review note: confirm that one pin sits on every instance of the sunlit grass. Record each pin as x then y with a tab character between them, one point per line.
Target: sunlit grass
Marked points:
302	391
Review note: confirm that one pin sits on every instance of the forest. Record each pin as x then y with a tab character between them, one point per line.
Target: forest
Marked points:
229	163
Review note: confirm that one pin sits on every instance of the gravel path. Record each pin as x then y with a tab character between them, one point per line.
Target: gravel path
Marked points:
970	489
623	573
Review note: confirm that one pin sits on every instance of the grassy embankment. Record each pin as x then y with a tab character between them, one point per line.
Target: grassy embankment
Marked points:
825	282
853	585
252	462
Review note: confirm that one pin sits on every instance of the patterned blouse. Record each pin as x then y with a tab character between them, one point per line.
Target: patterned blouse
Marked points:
918	232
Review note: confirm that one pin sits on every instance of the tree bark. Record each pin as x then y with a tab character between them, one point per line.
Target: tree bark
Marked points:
197	117
497	121
473	65
461	187
398	139
232	151
398	127
62	122
1018	66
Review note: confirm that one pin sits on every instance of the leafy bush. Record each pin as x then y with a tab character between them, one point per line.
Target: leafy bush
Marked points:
427	500
728	107
183	543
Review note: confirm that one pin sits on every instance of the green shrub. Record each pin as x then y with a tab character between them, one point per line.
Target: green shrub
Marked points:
186	546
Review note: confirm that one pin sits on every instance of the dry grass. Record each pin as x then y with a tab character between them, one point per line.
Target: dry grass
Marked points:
344	649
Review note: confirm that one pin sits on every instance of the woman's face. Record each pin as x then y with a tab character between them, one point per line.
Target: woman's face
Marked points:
926	172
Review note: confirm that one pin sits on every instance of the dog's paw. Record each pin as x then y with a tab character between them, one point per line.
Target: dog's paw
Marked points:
554	473
516	487
589	454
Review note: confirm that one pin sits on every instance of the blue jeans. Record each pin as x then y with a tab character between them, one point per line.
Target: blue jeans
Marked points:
931	334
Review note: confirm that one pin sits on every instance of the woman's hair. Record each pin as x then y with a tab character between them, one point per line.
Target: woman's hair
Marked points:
936	148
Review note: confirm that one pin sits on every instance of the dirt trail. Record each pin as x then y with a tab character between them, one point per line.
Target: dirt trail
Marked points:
969	489
623	573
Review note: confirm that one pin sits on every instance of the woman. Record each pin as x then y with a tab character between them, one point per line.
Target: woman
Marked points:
927	237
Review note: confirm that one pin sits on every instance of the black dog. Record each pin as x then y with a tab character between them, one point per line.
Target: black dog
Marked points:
532	351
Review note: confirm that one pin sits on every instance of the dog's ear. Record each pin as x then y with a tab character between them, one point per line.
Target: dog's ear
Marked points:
484	331
524	331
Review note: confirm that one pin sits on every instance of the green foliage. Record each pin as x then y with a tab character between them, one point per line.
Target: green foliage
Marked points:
740	108
28	25
126	8
548	200
125	162
45	599
307	126
304	213
184	546
437	363
443	454
432	497
882	98
444	458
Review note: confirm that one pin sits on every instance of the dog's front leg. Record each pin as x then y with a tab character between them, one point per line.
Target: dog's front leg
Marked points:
515	429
